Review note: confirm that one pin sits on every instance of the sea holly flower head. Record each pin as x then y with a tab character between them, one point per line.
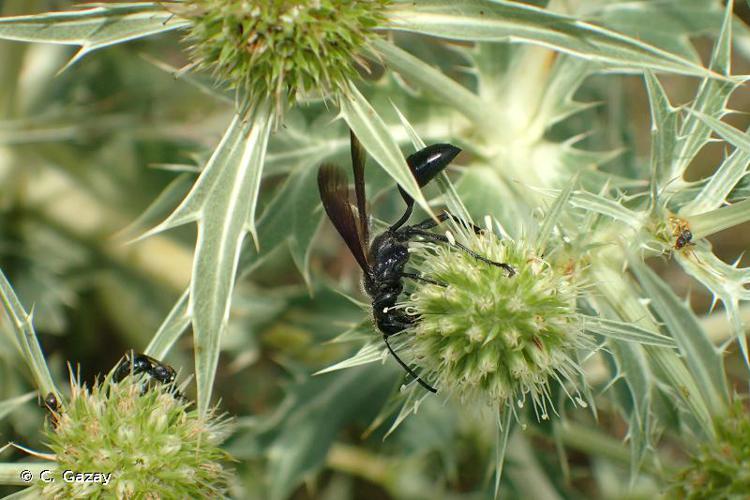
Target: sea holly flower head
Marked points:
154	444
720	468
281	49
486	334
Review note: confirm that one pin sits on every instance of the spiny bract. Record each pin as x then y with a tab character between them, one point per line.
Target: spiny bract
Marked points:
490	336
278	49
151	442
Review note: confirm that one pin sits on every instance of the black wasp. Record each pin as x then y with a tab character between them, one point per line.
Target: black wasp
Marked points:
134	364
383	265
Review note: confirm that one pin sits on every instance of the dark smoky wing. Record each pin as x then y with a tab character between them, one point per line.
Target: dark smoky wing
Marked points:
334	193
359	156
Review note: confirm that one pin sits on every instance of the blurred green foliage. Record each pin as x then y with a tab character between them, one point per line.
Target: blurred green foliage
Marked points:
92	157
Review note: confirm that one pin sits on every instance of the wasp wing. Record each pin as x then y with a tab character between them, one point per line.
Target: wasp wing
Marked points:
334	193
359	156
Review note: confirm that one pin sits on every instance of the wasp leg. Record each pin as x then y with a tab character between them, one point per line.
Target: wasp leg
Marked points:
407	369
415	231
418	277
430	223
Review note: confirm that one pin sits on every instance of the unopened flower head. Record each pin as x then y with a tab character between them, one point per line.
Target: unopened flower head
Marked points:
278	49
153	444
486	335
721	468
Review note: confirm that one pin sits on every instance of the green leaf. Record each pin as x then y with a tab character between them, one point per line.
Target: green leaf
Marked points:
369	353
627	332
324	406
667	24
728	283
226	215
173	326
711	99
636	395
500	21
10	473
9	405
735	137
26	340
663	137
222	202
553	216
445	89
633	366
92	28
708	223
504	423
167	200
23	494
607	207
685	387
701	357
374	135
720	185
292	217
566	78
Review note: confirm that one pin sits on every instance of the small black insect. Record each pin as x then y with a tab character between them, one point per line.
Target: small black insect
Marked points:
140	363
384	263
684	239
52	405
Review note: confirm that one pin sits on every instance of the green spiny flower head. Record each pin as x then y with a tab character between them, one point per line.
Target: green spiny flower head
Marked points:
153	443
278	49
490	336
721	469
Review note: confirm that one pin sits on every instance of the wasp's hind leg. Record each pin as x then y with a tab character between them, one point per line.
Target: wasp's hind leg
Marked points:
407	368
416	231
420	278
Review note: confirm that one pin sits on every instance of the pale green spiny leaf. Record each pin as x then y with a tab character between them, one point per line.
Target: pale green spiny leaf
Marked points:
552	217
627	332
226	213
712	222
500	21
7	406
607	207
735	137
663	138
728	283
25	339
719	186
701	357
374	135
667	24
504	422
171	329
92	28
445	89
711	100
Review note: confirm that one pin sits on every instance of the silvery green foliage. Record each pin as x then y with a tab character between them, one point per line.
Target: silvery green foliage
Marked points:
532	91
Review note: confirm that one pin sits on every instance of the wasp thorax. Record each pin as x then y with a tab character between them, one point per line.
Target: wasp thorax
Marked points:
488	335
